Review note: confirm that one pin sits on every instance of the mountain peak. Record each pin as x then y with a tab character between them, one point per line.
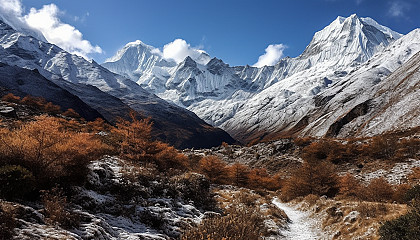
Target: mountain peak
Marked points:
385	30
216	61
216	66
355	38
136	43
137	48
188	62
340	19
354	15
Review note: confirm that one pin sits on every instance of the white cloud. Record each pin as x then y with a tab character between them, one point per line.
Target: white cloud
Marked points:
11	7
272	55
179	49
11	13
46	20
398	8
64	35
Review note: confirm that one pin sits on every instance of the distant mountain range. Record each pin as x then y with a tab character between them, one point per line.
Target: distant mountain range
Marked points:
355	78
336	87
95	88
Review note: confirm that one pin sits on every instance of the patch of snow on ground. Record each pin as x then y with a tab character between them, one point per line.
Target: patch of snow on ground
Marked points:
396	175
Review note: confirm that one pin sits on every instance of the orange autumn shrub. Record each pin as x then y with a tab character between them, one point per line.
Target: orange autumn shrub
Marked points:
135	142
313	177
214	169
414	177
239	174
37	102
98	125
378	190
381	147
349	186
49	151
10	97
49	107
71	113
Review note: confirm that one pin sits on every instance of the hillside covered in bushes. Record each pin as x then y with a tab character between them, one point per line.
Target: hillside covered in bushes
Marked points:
64	177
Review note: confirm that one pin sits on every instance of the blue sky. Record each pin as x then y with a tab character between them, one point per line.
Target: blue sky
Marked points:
237	31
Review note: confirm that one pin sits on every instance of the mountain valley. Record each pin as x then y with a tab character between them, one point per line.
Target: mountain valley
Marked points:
325	145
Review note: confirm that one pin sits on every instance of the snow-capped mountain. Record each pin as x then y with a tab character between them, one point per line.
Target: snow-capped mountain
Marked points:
273	112
141	62
247	101
371	103
110	94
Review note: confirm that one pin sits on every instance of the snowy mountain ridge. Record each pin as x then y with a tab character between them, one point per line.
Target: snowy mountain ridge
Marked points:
110	94
243	99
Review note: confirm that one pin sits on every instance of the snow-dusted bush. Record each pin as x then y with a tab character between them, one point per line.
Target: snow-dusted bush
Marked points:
55	204
195	187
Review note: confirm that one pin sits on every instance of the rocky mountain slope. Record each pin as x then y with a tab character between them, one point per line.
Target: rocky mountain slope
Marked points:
324	113
250	102
110	94
23	82
375	105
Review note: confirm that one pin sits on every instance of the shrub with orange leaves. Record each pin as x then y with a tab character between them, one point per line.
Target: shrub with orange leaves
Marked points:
37	102
98	125
400	193
414	177
136	144
167	157
243	220
52	153
239	174
302	142
333	151
49	107
259	178
41	104
381	147
349	186
10	97
214	169
378	190
71	113
314	177
134	138
408	148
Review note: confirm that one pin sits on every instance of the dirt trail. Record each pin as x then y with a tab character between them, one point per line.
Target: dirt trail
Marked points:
302	226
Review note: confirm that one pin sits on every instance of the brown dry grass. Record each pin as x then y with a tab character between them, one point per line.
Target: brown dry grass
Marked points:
242	219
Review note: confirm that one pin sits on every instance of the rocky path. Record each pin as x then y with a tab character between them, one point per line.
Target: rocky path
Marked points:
302	226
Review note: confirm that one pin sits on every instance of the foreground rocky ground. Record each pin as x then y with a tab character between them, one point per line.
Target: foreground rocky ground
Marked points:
112	205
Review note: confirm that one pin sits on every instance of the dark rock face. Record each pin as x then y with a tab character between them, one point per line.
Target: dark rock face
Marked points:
357	111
